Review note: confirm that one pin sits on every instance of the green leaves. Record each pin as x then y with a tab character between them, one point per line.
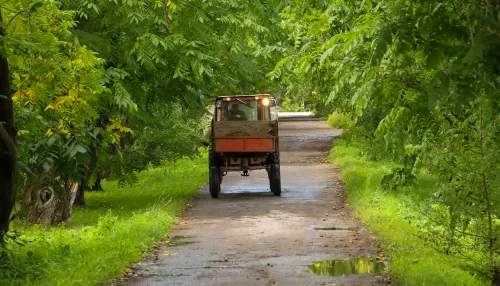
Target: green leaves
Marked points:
34	6
77	148
385	39
122	98
422	79
57	84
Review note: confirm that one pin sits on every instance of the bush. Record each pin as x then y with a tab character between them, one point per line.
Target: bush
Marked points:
340	121
289	105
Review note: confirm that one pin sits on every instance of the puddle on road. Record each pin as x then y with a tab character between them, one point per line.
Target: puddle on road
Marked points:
356	265
337	228
175	241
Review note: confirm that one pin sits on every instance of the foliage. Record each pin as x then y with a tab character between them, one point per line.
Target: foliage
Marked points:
423	79
340	121
98	83
60	91
175	136
397	178
56	93
412	261
112	231
116	86
289	105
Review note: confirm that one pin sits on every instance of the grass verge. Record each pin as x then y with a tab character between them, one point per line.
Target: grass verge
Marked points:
391	216
112	231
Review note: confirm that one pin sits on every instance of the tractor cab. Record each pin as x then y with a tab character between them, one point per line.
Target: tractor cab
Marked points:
246	108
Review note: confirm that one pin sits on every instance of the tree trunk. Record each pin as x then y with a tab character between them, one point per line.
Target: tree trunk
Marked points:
8	152
97	185
80	194
49	201
66	200
87	174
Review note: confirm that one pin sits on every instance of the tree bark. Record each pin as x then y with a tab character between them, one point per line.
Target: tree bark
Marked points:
49	201
87	174
8	151
97	185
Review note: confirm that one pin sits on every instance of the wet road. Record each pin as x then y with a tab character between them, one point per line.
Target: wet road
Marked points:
250	237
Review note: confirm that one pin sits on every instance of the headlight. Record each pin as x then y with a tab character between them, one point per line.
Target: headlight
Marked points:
265	101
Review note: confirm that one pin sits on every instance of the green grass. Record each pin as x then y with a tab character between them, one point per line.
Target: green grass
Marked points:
391	215
112	231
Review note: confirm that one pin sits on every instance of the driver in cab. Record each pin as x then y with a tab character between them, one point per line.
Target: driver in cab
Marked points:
236	113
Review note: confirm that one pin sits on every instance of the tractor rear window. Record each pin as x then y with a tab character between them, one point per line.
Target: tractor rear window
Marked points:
249	110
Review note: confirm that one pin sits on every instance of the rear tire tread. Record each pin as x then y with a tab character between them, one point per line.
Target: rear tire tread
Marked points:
275	175
214	176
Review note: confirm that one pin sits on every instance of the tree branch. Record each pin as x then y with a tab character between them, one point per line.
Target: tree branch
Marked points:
17	14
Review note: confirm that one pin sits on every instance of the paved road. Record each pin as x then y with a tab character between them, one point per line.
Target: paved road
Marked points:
250	237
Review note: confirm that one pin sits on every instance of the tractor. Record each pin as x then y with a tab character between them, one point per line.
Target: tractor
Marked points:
244	137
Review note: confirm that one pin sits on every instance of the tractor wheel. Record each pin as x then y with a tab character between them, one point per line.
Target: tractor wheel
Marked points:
214	175
275	175
214	184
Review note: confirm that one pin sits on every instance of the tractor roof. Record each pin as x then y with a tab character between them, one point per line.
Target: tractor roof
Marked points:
247	95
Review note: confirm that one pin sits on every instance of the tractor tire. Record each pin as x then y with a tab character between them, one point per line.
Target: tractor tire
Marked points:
214	175
214	184
275	175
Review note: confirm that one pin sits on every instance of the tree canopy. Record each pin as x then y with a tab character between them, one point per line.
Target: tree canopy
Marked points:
422	81
107	87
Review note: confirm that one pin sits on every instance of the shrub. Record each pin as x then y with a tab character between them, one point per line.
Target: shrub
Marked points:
289	105
340	121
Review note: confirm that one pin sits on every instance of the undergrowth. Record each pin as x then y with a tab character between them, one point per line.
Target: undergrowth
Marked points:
394	217
113	230
340	121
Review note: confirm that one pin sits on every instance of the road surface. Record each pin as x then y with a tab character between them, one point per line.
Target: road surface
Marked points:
249	237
